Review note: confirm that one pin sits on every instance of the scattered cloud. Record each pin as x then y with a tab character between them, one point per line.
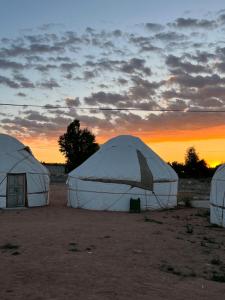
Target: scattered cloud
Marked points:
178	66
184	23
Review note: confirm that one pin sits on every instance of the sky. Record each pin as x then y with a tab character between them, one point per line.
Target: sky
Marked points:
148	56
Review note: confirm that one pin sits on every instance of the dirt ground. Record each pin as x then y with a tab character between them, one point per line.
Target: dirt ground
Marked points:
57	252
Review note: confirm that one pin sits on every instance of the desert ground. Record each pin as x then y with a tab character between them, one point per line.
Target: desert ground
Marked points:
57	252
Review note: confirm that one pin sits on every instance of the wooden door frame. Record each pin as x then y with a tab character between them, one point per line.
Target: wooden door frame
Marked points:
25	200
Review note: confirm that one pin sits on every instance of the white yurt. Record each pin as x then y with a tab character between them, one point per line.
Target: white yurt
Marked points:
24	181
217	197
123	169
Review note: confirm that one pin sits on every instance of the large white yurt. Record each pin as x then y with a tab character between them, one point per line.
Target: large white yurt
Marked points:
123	168
24	182
217	197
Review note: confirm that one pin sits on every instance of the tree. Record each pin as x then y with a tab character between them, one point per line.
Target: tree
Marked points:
191	157
194	167
179	168
77	145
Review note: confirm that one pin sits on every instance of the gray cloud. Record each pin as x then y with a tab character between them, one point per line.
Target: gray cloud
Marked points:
183	23
72	101
48	84
154	27
199	81
8	82
45	68
143	43
174	62
20	94
170	36
105	98
23	81
68	67
6	64
134	65
89	75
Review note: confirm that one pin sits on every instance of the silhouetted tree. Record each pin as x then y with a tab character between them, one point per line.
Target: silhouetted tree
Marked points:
77	145
179	168
194	167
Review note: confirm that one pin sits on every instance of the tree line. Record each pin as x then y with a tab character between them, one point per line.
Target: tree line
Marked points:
193	167
78	144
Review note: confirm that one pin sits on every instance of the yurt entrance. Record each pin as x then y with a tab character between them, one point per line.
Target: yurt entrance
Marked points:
16	190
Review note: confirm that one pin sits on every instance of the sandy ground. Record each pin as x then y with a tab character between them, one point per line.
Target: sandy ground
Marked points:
57	252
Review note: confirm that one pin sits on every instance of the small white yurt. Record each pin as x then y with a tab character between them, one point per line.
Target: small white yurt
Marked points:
122	169
217	197
24	182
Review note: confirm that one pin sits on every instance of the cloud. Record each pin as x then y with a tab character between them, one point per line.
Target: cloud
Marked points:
117	33
220	67
186	80
154	27
33	115
68	67
45	68
184	23
159	67
21	94
60	59
6	64
8	82
200	56
23	81
170	36
49	84
105	98
89	75
72	101
174	62
144	43
143	89
122	81
135	65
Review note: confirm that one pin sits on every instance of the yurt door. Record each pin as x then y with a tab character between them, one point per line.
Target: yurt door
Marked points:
16	190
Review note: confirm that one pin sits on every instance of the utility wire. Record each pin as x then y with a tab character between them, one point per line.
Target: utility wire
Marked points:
48	106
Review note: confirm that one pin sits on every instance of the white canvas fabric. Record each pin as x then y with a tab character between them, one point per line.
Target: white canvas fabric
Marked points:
15	158
217	197
123	168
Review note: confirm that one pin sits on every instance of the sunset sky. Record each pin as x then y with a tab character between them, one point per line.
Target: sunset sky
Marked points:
84	55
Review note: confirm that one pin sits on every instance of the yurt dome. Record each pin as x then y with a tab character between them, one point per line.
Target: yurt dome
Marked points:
24	181
217	197
123	168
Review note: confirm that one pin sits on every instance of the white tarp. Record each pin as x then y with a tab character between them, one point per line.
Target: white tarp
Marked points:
15	159
217	197
123	168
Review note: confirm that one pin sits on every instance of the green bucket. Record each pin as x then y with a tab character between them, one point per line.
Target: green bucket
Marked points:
135	205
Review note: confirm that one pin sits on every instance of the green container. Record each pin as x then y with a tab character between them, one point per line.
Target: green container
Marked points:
135	205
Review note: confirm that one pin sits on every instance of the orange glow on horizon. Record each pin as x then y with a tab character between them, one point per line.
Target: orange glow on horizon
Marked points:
170	145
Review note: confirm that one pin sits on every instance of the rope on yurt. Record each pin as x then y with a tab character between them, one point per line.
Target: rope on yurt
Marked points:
16	164
146	201
78	202
157	200
223	208
168	200
122	194
216	208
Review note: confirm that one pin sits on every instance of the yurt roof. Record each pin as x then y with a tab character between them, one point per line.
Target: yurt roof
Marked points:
15	157
9	144
127	159
220	173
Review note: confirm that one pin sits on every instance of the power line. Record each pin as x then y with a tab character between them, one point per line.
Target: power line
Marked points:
49	106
